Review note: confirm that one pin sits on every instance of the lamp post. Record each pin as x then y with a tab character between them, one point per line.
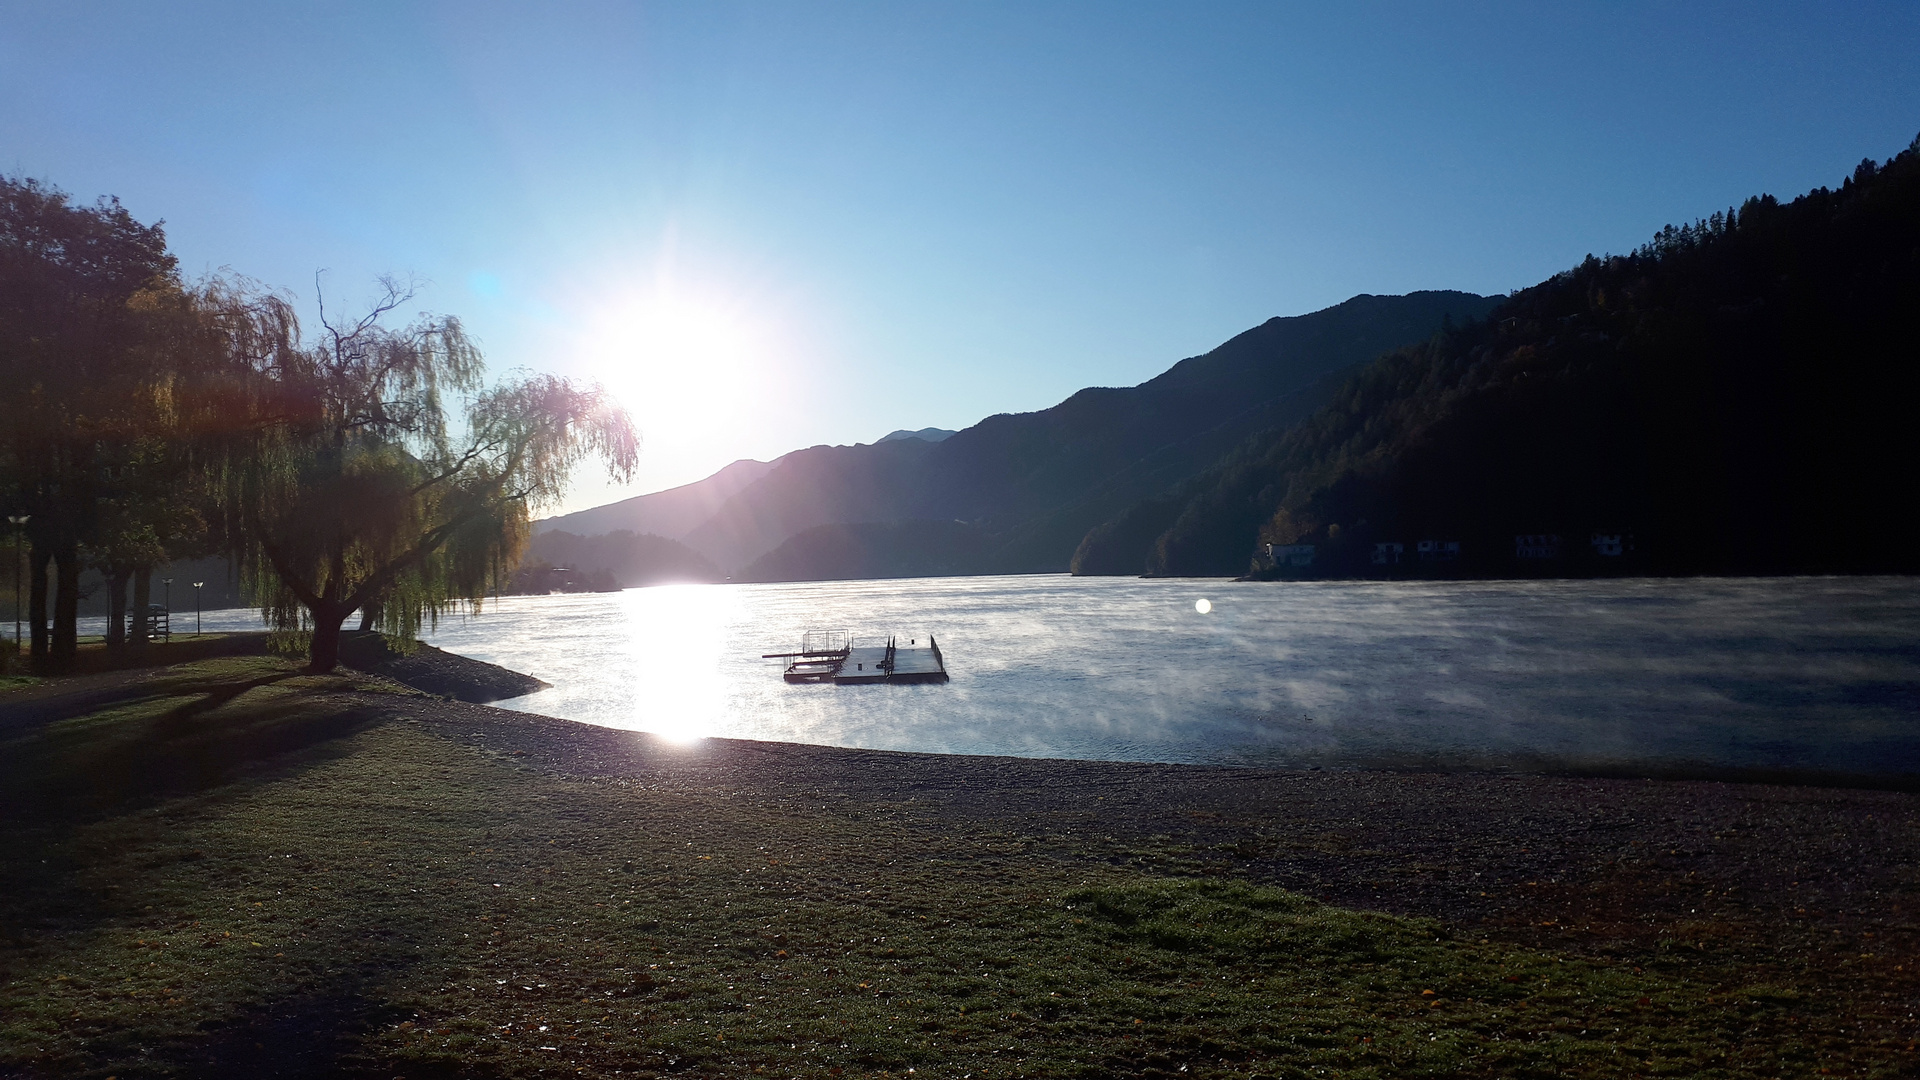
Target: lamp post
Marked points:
19	530
196	607
166	602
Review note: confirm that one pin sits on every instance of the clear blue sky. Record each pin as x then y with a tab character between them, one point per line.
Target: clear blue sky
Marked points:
773	225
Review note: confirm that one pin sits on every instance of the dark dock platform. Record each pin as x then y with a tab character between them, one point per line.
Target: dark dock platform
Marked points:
831	656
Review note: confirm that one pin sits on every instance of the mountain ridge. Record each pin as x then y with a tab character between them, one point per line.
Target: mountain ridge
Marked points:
670	513
1728	398
1035	482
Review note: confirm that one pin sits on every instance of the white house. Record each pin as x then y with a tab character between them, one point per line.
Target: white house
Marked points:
1609	545
1439	550
1388	554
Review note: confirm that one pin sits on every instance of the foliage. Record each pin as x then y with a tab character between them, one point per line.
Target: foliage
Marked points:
146	420
353	487
91	356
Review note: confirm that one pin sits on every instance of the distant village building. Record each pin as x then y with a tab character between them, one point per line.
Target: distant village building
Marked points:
1439	550
1388	554
1272	555
1537	546
1292	554
1610	545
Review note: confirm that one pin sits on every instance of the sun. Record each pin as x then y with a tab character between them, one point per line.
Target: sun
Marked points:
676	352
693	367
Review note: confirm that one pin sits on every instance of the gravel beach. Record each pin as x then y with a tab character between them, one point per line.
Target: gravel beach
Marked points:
1816	885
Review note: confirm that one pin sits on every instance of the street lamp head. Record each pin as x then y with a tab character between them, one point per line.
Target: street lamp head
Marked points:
197	584
19	519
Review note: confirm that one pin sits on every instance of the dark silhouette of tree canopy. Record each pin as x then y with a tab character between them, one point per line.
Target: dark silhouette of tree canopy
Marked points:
351	484
87	298
143	420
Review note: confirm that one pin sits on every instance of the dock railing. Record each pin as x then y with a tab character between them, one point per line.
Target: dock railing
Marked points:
817	644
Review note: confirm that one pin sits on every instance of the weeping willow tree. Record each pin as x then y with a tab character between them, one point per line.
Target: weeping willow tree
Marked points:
350	484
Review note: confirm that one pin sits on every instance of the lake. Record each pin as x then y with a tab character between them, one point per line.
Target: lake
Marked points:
1656	676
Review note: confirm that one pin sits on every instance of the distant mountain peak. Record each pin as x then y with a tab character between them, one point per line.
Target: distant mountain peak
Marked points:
925	434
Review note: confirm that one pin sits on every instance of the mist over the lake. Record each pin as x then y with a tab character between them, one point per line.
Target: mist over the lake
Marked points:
1809	677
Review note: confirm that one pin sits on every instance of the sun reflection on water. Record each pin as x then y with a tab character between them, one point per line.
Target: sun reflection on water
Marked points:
675	639
1805	673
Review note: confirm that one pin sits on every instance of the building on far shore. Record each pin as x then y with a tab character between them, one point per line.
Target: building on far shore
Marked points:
1388	553
1611	545
1537	546
1293	555
1296	555
1439	550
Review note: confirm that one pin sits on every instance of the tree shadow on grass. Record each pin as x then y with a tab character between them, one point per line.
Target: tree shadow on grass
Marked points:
317	1033
194	738
181	740
196	734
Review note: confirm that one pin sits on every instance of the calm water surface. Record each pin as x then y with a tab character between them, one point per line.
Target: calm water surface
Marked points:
1814	674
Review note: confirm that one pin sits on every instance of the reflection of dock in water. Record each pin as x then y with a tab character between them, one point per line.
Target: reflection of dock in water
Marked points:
831	656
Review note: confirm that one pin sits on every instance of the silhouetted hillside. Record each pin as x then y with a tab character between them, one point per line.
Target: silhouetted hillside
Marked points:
1036	482
1734	397
671	513
630	559
821	485
875	550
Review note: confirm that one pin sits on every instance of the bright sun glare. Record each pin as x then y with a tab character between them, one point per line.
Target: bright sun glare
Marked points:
678	359
678	633
702	367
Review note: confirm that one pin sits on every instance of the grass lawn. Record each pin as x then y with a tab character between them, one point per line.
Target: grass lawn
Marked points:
247	871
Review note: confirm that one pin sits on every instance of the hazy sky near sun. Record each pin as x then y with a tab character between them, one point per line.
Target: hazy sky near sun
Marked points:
772	225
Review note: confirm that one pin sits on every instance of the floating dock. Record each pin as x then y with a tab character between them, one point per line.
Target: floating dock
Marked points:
831	656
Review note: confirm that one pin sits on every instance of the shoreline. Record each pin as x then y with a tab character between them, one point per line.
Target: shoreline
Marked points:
1655	845
999	788
441	673
423	880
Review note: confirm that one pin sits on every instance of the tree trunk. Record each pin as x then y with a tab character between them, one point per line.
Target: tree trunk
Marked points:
66	606
369	616
37	559
117	607
325	648
142	596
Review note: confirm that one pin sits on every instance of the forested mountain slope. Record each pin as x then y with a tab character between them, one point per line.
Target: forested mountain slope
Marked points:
1736	396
